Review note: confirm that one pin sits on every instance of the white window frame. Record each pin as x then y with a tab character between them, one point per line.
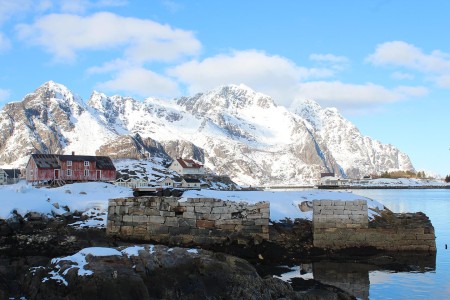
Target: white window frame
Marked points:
69	172
69	163
86	163
86	173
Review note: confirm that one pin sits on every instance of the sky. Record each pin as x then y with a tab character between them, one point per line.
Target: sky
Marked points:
385	64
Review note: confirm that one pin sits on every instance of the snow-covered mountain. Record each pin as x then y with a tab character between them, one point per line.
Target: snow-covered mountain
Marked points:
234	130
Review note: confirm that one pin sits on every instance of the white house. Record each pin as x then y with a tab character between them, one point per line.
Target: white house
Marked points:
333	181
131	182
190	183
187	167
9	176
3	176
167	182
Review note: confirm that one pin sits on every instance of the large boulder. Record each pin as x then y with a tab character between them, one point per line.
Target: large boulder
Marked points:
152	272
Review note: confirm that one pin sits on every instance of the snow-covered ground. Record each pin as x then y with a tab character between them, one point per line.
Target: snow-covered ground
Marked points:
283	204
92	198
24	197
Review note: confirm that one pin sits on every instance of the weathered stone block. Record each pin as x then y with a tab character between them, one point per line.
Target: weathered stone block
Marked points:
127	218
206	223
189	215
203	209
157	229
259	222
220	210
140	219
156	219
171	221
229	227
167	214
126	230
179	230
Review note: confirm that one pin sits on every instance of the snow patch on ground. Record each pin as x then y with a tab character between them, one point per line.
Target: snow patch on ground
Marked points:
284	204
24	198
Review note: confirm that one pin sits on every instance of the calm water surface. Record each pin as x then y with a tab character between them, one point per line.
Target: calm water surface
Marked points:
366	282
429	285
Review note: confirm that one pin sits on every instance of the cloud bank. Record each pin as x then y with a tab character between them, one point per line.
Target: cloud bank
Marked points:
147	58
435	66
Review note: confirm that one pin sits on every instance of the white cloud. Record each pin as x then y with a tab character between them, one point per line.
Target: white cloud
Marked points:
141	40
142	82
285	81
172	6
81	6
435	66
331	58
4	43
274	75
402	75
4	95
10	8
354	97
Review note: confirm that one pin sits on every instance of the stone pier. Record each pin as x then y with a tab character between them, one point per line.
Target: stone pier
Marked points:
344	224
200	221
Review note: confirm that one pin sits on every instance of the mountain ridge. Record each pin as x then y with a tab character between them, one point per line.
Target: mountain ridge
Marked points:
234	130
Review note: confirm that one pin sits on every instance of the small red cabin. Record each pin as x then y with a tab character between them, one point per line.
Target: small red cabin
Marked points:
46	167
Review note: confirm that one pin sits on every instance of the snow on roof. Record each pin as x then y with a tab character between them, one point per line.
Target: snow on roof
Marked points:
189	163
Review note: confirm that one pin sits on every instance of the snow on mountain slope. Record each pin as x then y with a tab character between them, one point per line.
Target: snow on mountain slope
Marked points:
234	130
357	154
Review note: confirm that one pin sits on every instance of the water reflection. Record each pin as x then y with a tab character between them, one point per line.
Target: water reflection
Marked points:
355	277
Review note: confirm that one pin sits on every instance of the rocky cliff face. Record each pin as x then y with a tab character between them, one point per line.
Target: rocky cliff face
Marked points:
234	130
357	154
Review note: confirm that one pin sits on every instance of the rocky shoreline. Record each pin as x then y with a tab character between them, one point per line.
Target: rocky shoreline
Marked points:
226	271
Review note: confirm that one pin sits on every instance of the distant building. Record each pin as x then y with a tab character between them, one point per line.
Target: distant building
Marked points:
190	183
9	176
131	182
69	168
187	167
167	182
331	174
333	181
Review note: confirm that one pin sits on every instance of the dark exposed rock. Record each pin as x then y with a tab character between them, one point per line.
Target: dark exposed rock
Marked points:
157	273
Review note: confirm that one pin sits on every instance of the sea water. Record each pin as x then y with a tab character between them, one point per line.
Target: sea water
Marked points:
427	276
435	203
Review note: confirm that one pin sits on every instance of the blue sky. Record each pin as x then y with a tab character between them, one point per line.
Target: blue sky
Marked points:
384	64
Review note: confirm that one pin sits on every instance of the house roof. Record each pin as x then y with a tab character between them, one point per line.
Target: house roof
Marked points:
12	173
51	161
46	161
191	180
189	163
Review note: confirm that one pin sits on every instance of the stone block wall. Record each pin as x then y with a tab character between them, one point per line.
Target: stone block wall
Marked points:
340	214
197	221
336	228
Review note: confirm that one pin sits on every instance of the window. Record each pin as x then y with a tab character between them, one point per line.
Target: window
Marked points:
69	172
86	173
69	163
86	163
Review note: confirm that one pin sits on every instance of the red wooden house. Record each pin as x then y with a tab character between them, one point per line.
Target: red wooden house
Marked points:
47	167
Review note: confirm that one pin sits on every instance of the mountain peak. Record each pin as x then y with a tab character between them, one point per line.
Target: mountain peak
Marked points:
228	97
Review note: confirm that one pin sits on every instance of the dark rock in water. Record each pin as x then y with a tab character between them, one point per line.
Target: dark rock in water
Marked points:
157	272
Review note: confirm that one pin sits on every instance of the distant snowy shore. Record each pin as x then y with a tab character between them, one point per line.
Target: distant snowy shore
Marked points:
399	183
